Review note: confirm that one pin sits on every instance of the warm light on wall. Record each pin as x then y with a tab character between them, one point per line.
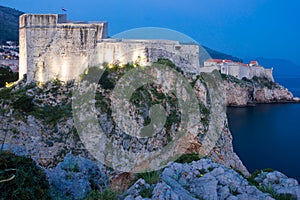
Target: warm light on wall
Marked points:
64	70
110	66
139	57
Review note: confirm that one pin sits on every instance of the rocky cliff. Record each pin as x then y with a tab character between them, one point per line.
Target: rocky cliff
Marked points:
257	90
40	120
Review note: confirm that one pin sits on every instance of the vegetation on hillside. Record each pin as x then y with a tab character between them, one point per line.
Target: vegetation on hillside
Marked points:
9	24
21	178
7	76
219	55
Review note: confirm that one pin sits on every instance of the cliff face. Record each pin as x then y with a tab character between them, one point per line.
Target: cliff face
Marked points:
38	119
256	90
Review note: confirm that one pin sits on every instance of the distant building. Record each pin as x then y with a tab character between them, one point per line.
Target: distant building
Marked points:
9	56
238	69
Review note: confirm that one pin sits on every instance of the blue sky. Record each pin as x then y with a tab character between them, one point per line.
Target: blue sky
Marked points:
244	28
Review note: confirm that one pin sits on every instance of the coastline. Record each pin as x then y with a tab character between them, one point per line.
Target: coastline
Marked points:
271	102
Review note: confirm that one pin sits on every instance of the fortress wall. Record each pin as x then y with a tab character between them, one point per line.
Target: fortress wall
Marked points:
33	20
269	74
256	71
244	72
234	70
51	48
260	71
22	52
145	52
209	69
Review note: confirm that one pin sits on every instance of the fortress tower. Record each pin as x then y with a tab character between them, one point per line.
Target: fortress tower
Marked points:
53	47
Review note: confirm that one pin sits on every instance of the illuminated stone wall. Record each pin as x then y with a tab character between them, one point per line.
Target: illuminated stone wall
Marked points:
145	52
52	47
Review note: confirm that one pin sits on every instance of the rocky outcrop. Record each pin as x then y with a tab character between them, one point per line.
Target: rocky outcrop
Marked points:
205	179
257	90
75	177
279	184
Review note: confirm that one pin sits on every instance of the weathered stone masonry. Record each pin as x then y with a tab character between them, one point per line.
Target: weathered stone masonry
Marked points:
52	47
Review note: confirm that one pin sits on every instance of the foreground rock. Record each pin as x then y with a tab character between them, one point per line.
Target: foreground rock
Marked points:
205	179
279	183
75	177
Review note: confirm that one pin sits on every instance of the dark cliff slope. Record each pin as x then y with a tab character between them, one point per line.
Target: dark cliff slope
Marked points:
9	24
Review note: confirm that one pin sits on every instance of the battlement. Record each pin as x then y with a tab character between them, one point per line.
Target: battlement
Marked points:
41	20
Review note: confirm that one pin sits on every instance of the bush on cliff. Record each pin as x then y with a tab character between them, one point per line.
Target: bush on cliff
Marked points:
29	180
7	76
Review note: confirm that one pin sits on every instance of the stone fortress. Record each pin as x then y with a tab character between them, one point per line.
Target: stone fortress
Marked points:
51	47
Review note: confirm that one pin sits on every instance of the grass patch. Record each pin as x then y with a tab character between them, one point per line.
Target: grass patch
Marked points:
107	194
251	179
146	192
52	114
269	189
168	62
188	158
150	177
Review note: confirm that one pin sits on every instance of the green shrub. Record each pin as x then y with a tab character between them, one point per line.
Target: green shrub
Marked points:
146	192
188	158
107	194
285	197
256	173
165	61
5	93
150	177
52	114
29	183
7	76
24	103
269	189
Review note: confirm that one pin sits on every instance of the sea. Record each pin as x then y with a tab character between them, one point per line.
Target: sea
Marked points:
268	135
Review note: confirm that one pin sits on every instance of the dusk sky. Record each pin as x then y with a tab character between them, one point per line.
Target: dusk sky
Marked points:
244	28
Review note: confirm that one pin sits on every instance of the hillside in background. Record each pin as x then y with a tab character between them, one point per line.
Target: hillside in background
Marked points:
219	55
9	24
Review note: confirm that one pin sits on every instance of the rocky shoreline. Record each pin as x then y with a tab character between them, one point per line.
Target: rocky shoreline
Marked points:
245	92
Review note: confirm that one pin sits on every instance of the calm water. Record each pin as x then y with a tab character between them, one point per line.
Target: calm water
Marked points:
268	135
